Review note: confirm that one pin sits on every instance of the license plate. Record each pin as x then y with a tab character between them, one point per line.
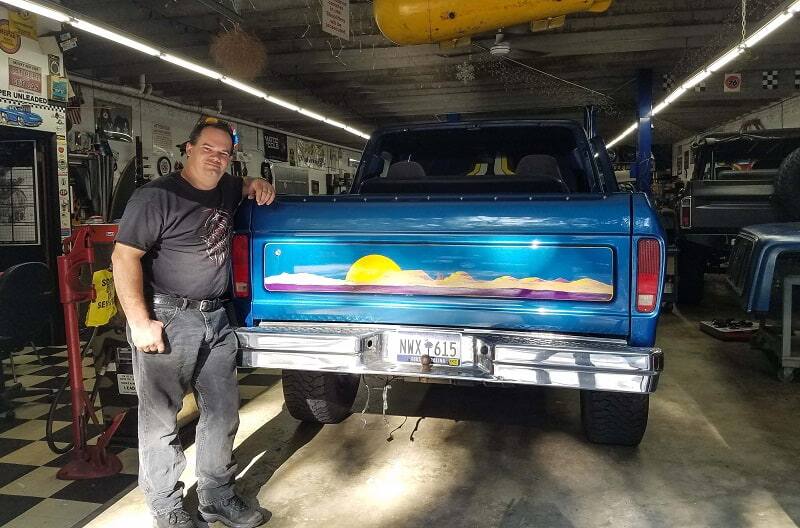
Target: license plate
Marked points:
407	347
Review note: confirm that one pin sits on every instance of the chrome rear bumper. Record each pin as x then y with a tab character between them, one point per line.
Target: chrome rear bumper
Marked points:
488	356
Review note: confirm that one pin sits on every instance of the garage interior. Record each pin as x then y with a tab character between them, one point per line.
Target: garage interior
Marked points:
98	98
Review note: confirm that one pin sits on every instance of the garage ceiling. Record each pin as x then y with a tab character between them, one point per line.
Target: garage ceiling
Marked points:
369	82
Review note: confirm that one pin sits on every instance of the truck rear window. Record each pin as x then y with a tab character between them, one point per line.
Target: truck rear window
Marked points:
485	160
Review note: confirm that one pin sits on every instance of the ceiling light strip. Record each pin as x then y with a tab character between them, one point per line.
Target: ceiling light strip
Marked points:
106	32
726	58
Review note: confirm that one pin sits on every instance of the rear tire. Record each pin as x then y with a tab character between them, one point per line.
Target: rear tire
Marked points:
614	418
787	186
691	279
319	397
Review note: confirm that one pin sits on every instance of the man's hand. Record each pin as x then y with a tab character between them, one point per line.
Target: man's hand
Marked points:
259	190
148	336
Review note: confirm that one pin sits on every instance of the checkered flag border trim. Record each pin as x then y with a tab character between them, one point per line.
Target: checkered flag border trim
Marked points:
667	82
769	80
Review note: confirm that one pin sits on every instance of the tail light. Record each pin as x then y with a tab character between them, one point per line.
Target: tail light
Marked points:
240	253
686	212
648	271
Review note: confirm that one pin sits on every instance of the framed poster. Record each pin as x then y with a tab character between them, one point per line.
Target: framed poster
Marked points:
114	119
19	211
276	146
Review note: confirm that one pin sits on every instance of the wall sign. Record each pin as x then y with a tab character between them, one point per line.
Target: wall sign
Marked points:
54	64
163	166
23	23
336	18
25	76
310	154
276	146
733	82
162	136
10	41
114	119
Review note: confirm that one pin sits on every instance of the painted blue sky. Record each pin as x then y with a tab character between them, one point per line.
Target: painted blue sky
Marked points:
482	262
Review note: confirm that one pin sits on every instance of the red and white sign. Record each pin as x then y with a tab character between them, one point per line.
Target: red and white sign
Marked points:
24	75
733	82
336	18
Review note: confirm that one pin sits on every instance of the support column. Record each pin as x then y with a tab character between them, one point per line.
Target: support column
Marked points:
641	170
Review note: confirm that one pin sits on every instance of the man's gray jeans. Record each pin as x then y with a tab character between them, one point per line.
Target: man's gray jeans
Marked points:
200	353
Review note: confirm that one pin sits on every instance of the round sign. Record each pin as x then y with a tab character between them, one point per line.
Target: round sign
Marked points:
164	165
732	82
10	41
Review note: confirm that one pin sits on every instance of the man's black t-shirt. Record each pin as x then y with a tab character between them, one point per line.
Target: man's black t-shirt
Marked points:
186	233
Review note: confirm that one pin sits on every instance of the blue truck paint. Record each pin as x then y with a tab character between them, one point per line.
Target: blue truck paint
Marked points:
754	258
314	221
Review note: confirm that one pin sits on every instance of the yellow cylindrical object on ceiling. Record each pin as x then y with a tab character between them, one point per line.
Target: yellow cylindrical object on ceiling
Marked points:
429	21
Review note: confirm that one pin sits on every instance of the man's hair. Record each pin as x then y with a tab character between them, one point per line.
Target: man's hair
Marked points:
219	125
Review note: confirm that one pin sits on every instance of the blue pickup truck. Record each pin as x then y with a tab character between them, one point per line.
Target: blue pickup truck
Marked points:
494	252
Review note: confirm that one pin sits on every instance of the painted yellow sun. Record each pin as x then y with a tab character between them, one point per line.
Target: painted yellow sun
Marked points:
367	270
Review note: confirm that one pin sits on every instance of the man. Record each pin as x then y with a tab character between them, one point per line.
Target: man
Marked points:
171	268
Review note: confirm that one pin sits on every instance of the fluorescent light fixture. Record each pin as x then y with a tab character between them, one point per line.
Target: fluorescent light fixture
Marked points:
312	115
628	131
723	61
138	45
38	9
335	123
244	87
177	61
357	132
659	107
281	102
695	79
766	30
674	96
113	36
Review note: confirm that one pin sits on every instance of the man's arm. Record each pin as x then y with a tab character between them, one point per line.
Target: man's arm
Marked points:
147	334
258	189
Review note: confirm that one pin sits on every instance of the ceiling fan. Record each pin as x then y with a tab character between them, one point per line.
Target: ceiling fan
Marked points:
501	46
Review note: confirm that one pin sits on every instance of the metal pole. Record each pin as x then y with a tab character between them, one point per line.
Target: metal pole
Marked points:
641	170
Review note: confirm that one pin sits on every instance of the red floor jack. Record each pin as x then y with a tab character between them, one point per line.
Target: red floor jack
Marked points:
87	461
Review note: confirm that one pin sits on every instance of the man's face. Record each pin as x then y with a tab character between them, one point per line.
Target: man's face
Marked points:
210	155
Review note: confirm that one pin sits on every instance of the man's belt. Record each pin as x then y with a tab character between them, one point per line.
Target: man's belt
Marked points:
182	303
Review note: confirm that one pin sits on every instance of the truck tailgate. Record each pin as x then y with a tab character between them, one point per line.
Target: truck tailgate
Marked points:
508	263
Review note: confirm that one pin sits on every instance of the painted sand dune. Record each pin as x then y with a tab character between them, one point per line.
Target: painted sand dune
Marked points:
378	274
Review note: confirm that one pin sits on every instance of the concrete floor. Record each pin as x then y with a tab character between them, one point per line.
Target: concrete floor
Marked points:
720	451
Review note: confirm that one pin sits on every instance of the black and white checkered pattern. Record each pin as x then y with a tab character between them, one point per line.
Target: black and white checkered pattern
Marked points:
667	82
29	489
701	87
769	80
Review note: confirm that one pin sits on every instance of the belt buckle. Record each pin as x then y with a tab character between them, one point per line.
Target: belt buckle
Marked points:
205	305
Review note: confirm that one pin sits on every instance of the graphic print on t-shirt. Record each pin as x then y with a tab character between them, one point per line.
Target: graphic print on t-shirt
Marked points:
218	228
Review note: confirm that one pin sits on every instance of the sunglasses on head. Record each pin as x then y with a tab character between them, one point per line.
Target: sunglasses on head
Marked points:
232	129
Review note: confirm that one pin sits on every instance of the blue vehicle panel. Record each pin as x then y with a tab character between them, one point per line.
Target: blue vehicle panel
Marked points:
754	261
488	240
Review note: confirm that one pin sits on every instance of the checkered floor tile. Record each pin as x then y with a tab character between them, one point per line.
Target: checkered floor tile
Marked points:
30	493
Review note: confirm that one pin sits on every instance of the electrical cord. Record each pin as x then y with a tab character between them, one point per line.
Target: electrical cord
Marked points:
57	398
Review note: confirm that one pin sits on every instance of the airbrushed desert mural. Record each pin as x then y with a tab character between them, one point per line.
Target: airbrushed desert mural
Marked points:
553	273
